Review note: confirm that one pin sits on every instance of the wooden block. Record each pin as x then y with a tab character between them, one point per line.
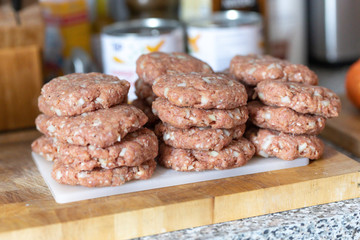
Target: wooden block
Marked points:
24	29
345	129
20	84
7	15
28	210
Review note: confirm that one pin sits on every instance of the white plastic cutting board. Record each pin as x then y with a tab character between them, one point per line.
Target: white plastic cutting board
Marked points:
161	178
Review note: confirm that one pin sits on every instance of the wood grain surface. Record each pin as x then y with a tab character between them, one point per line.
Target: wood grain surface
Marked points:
28	211
345	130
20	84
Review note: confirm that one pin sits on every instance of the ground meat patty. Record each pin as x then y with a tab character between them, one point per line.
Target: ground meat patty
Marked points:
144	91
44	146
285	146
236	154
201	90
153	65
78	93
198	138
143	106
252	69
184	117
101	128
136	148
301	98
101	177
284	119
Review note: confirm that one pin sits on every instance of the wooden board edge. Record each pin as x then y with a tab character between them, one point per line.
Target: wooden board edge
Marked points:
138	223
298	195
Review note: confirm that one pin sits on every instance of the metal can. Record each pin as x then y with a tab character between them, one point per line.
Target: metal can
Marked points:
122	43
217	38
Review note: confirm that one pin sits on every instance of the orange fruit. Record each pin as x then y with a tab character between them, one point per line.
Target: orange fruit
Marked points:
352	82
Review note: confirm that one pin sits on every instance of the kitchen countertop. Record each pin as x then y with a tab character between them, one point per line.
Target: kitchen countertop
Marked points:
338	220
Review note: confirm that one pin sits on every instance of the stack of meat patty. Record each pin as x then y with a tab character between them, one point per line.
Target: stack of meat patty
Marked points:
202	114
290	110
93	138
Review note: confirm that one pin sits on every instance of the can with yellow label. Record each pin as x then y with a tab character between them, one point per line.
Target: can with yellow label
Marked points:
122	43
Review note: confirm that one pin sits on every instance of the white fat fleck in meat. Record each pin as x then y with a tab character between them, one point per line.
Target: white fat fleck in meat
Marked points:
204	100
261	96
302	147
191	167
187	113
213	153
312	149
142	65
69	141
58	175
180	56
98	100
103	163
193	119
122	153
267	115
271	66
84	114
180	99
231	83
206	79
119	138
166	136
182	84
82	175
51	128
212	117
80	102
251	71
166	90
97	122
91	147
235	154
317	94
311	124
267	141
263	154
227	133
285	99
325	103
57	111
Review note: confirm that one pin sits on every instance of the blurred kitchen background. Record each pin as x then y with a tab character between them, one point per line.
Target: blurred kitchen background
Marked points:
40	40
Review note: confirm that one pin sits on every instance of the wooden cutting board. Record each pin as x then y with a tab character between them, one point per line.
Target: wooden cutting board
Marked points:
345	129
28	211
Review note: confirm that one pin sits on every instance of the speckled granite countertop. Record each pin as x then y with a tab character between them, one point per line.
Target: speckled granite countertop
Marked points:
339	220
